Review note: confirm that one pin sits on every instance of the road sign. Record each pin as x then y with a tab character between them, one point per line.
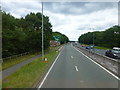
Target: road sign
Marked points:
58	38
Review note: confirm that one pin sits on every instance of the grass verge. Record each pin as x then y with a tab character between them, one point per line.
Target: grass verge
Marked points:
31	73
104	48
8	63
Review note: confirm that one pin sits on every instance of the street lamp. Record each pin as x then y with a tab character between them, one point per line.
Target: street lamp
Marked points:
83	40
42	34
93	35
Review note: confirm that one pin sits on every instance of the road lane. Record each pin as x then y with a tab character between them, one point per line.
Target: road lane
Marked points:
77	72
99	51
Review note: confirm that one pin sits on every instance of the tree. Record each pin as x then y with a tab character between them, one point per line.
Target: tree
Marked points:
108	38
63	38
24	34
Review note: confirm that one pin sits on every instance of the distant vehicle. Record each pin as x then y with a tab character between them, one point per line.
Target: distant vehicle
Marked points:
114	53
116	48
75	43
83	45
92	46
89	47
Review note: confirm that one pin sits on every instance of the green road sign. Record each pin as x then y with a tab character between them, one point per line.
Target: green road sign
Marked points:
58	38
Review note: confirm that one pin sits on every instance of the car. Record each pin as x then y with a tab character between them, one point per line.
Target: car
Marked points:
89	47
75	43
92	46
83	45
116	48
114	53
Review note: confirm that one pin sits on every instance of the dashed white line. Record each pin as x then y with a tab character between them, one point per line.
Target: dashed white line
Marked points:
99	65
76	68
71	56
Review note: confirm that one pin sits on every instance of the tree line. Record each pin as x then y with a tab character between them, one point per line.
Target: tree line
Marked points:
63	38
109	38
24	34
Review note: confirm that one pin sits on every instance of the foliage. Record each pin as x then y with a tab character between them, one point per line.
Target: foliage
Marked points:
63	38
108	38
24	34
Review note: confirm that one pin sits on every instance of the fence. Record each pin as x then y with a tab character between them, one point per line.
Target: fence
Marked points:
22	54
15	56
109	63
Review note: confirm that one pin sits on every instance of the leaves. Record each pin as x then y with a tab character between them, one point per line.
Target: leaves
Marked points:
108	38
24	34
63	38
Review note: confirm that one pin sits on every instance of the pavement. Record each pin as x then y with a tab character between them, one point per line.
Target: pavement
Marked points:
14	68
72	69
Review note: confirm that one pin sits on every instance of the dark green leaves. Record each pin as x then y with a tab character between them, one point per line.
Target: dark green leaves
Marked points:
24	34
109	38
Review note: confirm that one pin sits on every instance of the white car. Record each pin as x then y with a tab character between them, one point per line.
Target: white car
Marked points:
116	48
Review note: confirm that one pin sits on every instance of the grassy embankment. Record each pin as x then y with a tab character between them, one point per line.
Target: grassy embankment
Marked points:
99	47
10	62
28	75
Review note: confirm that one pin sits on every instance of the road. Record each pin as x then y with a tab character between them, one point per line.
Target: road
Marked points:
99	51
72	69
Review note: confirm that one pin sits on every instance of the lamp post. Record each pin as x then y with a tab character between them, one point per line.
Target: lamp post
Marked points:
42	34
93	35
83	40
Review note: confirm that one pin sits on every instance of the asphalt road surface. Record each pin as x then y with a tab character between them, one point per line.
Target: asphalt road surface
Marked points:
72	69
99	51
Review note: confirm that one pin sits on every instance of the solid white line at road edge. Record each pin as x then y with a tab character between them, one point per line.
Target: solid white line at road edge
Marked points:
76	68
49	70
99	65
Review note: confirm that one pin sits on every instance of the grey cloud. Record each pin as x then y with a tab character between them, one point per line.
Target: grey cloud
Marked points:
83	28
78	7
67	8
20	9
15	5
96	27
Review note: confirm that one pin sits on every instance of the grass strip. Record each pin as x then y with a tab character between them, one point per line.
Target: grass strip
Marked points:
28	75
8	63
104	48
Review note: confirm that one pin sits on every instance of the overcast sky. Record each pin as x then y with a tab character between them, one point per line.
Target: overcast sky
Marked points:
69	18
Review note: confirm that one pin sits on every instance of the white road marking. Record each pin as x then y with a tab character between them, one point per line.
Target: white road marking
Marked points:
99	65
49	70
71	56
76	68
